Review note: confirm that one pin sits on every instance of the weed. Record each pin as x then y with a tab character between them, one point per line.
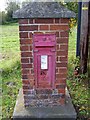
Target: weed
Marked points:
78	87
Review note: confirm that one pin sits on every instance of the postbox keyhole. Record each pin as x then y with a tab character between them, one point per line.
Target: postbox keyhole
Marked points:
43	73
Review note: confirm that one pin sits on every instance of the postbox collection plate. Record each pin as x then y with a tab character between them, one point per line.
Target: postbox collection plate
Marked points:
44	62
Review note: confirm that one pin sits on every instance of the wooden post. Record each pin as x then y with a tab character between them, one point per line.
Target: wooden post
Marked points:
84	38
89	45
78	29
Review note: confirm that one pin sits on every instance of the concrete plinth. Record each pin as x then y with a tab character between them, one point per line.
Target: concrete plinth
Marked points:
63	112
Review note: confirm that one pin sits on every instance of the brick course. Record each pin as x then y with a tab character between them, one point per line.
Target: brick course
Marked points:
27	28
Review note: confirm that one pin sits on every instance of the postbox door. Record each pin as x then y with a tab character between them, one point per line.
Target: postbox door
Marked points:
45	69
44	60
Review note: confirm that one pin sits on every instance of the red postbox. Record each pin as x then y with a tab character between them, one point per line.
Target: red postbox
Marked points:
44	60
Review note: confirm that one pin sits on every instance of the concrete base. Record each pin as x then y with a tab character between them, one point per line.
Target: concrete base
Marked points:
62	112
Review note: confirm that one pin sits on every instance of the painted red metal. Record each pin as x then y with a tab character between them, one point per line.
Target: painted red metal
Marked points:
44	60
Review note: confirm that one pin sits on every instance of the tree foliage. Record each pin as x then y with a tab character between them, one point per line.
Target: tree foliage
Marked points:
2	17
73	6
11	7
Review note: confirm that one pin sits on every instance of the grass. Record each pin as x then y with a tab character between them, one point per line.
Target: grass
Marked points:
72	44
11	73
10	38
10	65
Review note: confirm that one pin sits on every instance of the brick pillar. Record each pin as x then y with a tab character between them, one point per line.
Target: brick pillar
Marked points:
27	28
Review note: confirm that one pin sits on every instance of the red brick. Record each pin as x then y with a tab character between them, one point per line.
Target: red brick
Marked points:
62	70
57	70
26	65
64	34
32	71
23	34
63	58
26	54
58	48
57	34
33	27
26	82
38	33
61	64
62	101
30	48
26	41
24	48
60	81
44	21
44	27
24	60
25	71
63	75
28	28
23	21
27	87
62	40
24	77
59	27
64	20
32	82
60	86
30	21
61	91
31	60
57	58
30	35
50	33
57	20
62	53
30	76
64	47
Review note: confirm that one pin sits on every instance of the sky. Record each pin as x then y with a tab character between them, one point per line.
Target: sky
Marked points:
3	4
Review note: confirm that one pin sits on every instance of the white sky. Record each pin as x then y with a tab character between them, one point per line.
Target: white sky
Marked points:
3	4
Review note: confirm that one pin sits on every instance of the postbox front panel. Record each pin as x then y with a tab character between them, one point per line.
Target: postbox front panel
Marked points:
44	66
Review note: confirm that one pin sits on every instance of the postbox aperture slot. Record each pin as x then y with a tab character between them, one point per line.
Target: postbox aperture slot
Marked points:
42	44
44	62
